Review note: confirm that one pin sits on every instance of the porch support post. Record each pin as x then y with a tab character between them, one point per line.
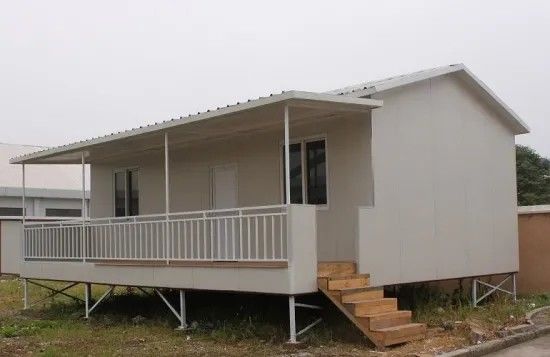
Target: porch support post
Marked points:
167	195
87	297
84	238
514	291
25	294
23	194
474	292
292	318
183	312
287	157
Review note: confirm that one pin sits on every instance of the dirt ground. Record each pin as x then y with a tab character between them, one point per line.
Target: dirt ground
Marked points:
130	324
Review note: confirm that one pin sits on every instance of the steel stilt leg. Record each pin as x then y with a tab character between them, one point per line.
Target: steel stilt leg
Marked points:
87	297
25	295
292	318
183	312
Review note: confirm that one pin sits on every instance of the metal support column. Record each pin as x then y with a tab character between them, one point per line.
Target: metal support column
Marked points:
287	156
514	287
25	294
292	318
87	298
474	292
84	237
166	195
182	314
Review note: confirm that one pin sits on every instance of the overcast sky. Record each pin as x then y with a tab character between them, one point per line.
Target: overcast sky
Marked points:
71	70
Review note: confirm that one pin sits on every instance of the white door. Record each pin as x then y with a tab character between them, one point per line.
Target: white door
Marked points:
224	187
224	195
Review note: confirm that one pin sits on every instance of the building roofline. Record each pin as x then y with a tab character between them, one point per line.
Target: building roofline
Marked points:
290	96
370	88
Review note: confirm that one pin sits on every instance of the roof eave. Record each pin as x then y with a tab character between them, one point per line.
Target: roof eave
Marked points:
293	97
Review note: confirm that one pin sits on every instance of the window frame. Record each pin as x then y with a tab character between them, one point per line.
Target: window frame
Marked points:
124	170
303	140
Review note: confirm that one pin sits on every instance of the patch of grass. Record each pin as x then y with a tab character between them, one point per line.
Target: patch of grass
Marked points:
438	308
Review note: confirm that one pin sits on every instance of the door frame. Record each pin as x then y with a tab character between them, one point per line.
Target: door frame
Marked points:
212	178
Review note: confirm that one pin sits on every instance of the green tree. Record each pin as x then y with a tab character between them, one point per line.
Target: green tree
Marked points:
533	177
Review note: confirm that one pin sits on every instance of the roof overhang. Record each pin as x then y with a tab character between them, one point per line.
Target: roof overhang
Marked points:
72	153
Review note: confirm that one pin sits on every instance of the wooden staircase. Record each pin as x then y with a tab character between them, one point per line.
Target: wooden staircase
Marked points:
376	316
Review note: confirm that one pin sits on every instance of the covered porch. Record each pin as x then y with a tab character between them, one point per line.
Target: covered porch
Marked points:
201	202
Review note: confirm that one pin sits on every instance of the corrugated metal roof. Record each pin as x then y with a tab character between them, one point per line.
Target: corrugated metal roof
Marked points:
374	86
43	177
219	111
366	89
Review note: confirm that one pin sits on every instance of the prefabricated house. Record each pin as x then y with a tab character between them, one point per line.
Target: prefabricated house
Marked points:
53	192
406	179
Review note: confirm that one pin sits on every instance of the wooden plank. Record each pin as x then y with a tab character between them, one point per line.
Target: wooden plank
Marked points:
348	283
326	269
389	319
362	294
370	307
402	333
363	328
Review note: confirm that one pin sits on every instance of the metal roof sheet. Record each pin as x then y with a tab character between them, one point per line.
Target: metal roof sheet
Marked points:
366	89
294	96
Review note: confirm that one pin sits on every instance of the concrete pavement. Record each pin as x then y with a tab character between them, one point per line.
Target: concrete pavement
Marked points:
539	347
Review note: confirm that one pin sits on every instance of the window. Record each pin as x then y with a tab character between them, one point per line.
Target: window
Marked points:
11	211
308	172
126	193
63	212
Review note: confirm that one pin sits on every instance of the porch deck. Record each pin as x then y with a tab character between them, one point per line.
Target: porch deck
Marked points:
269	249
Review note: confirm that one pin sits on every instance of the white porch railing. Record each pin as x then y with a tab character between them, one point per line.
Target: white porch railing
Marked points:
240	234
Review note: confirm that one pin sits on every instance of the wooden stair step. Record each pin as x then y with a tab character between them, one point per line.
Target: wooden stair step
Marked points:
371	307
387	319
349	295
325	269
402	333
353	281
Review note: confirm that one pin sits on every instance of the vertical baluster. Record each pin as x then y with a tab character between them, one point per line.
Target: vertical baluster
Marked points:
272	237
218	238
157	240
226	237
233	237
248	235
211	238
265	239
281	235
185	239
256	240
204	235
240	234
141	241
179	240
192	238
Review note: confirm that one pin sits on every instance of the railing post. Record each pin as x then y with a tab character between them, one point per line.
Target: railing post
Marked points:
84	237
167	196
22	246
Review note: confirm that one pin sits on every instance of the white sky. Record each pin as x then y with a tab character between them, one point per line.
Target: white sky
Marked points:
72	70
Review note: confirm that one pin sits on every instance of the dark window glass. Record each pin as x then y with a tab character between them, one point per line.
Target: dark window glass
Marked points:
316	173
11	211
63	212
120	194
295	173
133	193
